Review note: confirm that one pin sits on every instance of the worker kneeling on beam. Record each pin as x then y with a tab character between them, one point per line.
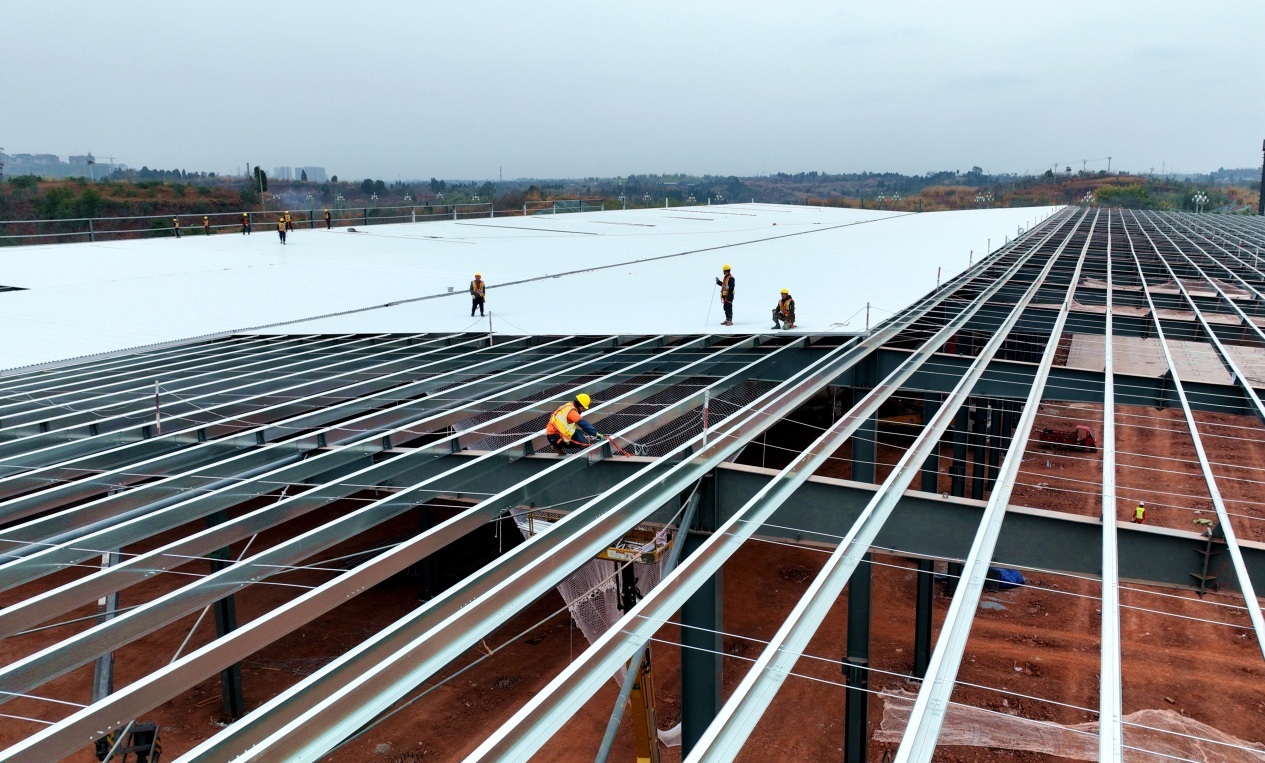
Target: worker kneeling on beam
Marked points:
562	426
784	313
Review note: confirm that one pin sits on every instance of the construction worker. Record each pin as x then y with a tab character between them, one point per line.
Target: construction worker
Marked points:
561	430
1139	514
328	224
784	313
175	221
281	228
289	225
206	225
478	290
726	283
245	223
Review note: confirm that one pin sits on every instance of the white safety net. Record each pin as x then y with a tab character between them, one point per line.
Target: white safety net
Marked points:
592	592
1150	736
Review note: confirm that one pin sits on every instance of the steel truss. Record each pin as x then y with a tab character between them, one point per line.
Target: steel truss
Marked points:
92	462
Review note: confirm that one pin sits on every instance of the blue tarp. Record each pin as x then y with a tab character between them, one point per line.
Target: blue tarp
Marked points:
1006	578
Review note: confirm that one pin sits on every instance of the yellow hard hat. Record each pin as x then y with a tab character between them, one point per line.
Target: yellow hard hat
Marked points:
583	400
726	267
281	219
478	275
784	291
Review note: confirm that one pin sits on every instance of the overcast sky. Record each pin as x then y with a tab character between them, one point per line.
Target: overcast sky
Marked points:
577	89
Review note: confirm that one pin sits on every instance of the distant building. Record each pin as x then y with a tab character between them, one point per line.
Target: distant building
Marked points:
51	167
314	174
282	173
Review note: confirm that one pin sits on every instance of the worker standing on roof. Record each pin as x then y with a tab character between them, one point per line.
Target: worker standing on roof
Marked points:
175	222
289	224
784	313
726	283
281	228
561	429
478	291
327	220
1139	514
245	223
206	225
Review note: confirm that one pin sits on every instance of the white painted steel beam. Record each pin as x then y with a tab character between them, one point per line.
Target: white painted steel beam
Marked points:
1110	697
926	718
1205	468
533	725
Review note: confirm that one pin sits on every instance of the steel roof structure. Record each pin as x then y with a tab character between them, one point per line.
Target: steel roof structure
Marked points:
108	479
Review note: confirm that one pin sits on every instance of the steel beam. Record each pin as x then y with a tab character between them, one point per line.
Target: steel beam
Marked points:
1110	697
927	716
289	739
532	725
1210	480
246	639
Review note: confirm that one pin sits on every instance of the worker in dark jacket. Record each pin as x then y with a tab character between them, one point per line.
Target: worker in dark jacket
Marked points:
478	291
726	283
784	313
562	426
289	224
245	223
281	228
327	220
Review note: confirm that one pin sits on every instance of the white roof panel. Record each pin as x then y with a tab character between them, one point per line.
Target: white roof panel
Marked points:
634	271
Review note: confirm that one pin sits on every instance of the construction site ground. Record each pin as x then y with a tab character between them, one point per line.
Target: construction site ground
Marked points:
1033	650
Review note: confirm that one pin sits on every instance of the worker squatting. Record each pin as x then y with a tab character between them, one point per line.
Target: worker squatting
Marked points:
783	311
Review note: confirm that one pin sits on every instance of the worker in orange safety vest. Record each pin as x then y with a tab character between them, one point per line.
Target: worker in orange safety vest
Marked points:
478	294
784	313
727	283
563	423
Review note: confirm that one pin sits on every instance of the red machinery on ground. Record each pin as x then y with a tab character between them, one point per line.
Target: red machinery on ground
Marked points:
1080	438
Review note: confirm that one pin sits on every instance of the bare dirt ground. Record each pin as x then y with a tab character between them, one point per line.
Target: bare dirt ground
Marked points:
1033	651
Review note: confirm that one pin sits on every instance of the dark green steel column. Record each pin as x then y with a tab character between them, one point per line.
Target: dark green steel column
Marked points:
924	604
226	623
857	664
979	439
931	467
864	450
957	470
702	618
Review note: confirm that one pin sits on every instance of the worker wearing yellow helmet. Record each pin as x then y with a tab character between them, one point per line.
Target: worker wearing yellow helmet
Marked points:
726	283
561	430
784	313
281	228
328	221
289	222
478	291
